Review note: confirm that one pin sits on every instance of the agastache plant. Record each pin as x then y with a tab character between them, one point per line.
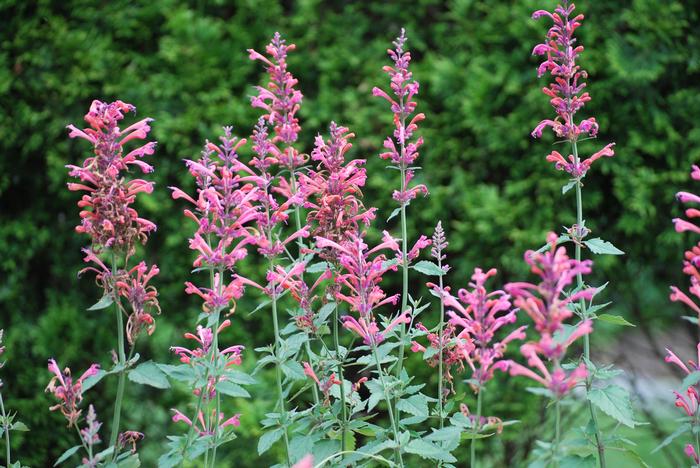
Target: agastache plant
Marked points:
115	228
479	314
568	96
548	305
224	212
688	398
402	149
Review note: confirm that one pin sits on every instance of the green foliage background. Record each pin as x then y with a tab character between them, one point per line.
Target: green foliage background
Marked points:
184	63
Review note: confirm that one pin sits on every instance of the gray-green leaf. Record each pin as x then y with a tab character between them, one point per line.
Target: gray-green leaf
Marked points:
599	246
614	401
428	268
148	373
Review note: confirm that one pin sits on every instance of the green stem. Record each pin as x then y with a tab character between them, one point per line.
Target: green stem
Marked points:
122	361
392	420
557	433
477	427
314	390
278	368
297	211
441	326
584	313
404	289
6	430
336	344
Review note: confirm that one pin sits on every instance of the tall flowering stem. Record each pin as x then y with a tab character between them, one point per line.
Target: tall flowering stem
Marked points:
362	271
567	97
402	150
688	400
548	306
333	195
7	423
281	100
114	226
439	245
224	213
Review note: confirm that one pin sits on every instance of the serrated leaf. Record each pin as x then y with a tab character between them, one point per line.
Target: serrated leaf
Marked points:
693	320
148	373
67	454
614	401
427	450
417	405
170	460
268	439
181	373
428	268
601	247
615	320
324	312
293	370
106	301
231	389
239	377
690	380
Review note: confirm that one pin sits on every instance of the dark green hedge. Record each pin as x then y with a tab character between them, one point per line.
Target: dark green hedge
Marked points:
184	63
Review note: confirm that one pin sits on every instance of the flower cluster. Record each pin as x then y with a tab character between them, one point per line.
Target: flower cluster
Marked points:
280	99
566	92
549	307
107	215
67	391
480	314
454	350
334	190
361	276
401	150
324	385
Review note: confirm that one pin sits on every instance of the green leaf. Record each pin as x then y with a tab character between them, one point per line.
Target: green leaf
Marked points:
599	246
317	267
19	426
693	320
293	370
633	457
93	380
393	214
430	451
181	372
106	301
231	389
239	377
67	454
428	268
571	184
148	373
682	429
417	405
324	312
268	439
614	401
615	320
690	380
573	461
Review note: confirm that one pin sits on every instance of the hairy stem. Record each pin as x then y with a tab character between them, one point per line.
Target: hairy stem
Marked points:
6	430
477	427
278	367
584	312
122	361
441	326
336	344
392	420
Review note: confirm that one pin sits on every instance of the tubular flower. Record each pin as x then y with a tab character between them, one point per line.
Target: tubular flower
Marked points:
401	148
280	99
454	350
324	385
683	225
224	211
333	191
301	292
480	314
566	92
107	215
204	338
362	270
69	392
208	426
545	302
